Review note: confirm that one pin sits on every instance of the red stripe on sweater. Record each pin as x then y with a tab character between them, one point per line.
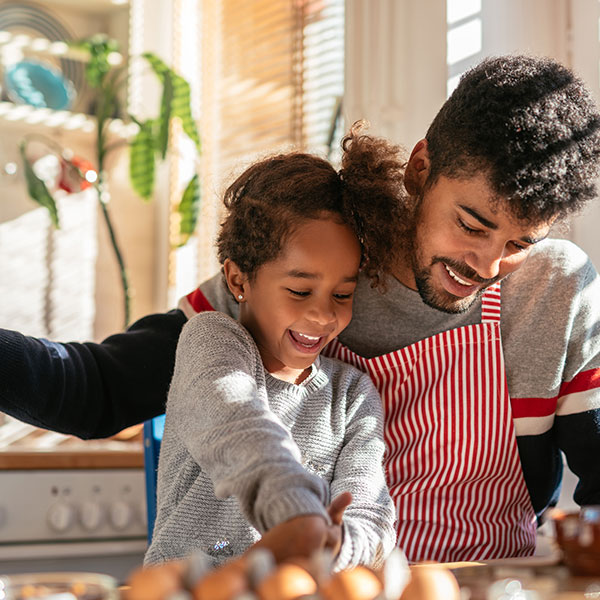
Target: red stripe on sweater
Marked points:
588	380
198	301
542	407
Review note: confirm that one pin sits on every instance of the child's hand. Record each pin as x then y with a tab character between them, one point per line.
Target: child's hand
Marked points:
338	506
299	536
336	513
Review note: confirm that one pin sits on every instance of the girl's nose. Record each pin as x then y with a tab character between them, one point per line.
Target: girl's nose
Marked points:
322	312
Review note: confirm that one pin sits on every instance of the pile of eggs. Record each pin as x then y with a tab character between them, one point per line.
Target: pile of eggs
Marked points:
256	577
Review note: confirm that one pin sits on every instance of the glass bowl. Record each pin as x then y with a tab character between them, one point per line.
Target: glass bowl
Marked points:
578	535
58	586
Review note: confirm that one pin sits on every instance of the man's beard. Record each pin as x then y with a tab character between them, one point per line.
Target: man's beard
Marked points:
441	299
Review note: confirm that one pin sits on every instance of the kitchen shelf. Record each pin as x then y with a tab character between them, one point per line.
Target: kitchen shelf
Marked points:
90	5
41	46
28	119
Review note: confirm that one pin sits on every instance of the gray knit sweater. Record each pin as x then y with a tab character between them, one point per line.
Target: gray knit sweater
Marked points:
243	451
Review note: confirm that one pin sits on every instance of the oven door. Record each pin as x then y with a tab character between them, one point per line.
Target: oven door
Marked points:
69	505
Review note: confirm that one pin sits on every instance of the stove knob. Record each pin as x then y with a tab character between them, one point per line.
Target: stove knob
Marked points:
61	516
91	515
122	514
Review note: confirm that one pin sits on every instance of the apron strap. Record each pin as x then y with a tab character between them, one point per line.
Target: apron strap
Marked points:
490	304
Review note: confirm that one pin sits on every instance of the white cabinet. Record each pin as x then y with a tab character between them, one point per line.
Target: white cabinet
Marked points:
65	283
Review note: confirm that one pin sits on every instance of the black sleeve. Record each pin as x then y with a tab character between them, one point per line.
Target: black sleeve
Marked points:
86	389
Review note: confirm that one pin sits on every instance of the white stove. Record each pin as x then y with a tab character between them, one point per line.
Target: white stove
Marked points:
73	520
75	508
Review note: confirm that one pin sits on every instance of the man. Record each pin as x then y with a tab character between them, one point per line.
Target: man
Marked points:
483	384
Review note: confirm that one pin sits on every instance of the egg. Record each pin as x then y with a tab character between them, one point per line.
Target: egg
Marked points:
431	581
288	582
155	583
353	584
395	574
224	583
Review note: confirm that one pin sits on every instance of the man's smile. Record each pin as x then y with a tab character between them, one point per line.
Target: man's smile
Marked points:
456	277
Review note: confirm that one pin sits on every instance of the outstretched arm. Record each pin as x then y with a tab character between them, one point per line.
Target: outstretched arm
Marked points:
90	390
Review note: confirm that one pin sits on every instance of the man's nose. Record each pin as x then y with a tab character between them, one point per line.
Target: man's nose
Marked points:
486	261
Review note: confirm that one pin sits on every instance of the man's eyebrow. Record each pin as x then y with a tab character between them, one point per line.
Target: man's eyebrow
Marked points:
479	217
304	275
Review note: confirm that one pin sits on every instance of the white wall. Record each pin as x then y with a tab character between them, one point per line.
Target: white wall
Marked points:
396	62
585	59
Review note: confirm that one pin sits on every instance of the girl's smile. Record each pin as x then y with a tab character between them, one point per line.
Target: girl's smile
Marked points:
307	343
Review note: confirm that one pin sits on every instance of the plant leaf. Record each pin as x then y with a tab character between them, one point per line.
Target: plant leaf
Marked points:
158	66
141	160
37	189
181	107
162	140
189	207
181	96
99	47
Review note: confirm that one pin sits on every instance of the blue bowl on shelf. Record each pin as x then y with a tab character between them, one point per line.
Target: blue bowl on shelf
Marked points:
38	84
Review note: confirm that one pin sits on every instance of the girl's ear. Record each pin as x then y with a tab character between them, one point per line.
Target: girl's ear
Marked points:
236	280
417	169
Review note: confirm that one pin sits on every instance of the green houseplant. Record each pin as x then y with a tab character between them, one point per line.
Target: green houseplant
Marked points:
146	148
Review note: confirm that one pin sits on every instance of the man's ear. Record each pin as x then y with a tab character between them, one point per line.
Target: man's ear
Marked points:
417	168
236	279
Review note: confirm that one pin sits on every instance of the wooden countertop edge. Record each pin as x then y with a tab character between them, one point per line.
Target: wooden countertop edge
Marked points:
71	459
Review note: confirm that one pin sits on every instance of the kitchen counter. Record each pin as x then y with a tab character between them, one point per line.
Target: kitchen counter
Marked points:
88	458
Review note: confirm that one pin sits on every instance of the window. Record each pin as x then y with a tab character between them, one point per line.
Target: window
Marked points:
272	76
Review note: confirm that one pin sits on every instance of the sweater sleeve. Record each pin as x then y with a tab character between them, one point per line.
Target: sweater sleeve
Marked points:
368	523
86	389
219	407
577	422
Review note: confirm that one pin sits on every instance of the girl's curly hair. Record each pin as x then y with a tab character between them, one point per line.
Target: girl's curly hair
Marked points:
530	125
271	198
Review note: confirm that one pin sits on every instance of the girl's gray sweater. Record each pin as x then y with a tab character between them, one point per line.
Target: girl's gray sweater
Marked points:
243	451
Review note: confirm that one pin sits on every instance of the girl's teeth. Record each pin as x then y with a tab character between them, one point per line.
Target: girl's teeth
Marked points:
309	338
456	277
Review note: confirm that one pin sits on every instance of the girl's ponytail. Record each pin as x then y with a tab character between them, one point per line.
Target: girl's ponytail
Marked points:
373	194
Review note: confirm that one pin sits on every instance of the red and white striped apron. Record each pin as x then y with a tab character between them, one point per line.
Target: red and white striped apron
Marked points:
452	461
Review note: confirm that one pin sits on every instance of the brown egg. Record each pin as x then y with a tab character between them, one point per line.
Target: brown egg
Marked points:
288	582
155	583
223	583
430	581
354	584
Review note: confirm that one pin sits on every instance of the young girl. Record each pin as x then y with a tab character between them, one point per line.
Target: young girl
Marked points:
260	429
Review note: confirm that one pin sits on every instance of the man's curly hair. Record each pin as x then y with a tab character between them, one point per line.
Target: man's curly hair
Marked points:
269	200
530	125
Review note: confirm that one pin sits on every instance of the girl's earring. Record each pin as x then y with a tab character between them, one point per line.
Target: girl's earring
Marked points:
240	297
